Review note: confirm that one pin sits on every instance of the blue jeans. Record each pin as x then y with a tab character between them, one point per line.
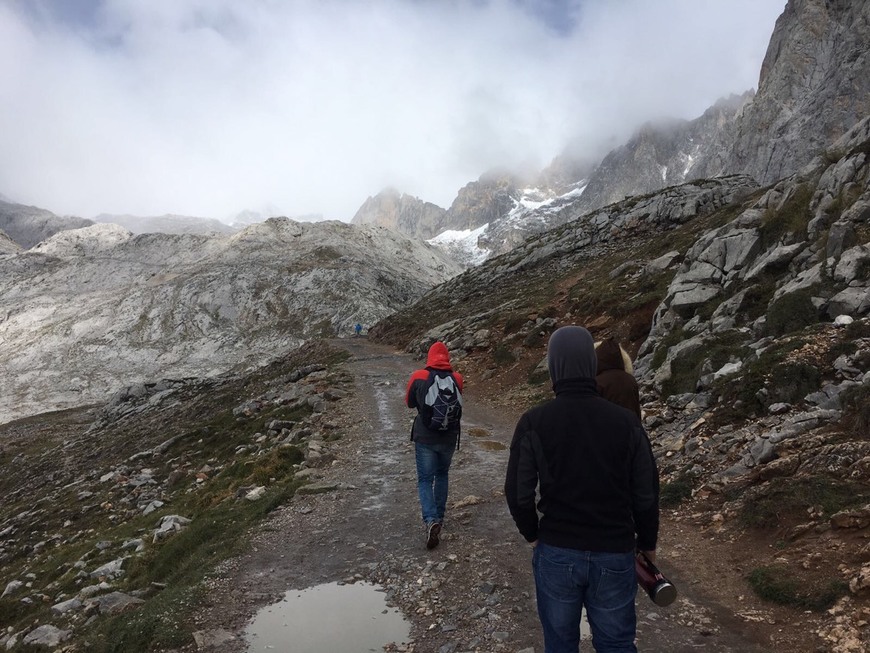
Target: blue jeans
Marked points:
433	465
567	580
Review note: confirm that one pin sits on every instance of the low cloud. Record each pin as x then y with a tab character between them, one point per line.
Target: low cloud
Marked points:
207	107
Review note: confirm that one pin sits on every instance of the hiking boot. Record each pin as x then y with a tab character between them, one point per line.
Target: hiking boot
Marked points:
432	534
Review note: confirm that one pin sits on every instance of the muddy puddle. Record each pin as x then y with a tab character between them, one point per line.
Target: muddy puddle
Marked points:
487	444
331	617
491	445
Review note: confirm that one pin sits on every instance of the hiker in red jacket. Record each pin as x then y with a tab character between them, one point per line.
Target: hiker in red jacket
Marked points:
435	392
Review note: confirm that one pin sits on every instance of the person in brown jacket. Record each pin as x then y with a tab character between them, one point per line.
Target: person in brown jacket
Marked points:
615	380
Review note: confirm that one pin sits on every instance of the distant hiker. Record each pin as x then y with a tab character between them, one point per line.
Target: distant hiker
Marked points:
436	393
357	329
615	380
592	467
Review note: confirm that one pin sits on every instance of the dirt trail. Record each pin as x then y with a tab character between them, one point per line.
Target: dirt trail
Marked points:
472	593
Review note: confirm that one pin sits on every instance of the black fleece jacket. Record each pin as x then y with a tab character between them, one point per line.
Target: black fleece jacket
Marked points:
588	459
597	475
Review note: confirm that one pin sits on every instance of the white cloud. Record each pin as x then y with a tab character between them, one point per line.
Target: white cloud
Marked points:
206	107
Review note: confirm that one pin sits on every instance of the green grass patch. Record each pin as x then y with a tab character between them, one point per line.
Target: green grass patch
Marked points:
514	322
780	584
181	562
668	341
783	501
757	299
651	288
152	627
791	382
739	395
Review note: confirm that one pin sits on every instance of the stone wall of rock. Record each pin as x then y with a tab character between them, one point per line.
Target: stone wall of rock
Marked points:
814	86
406	214
808	232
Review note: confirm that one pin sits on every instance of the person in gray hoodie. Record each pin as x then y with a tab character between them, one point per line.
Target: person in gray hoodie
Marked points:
589	464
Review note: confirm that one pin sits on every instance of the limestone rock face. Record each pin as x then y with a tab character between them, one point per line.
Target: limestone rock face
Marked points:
93	310
482	201
814	86
805	232
403	213
29	225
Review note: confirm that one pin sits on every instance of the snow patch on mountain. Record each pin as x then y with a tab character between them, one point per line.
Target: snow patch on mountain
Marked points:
462	245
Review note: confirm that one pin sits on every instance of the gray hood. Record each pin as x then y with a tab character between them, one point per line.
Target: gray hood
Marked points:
571	354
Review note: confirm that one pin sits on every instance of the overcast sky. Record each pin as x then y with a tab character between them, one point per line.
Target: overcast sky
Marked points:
208	107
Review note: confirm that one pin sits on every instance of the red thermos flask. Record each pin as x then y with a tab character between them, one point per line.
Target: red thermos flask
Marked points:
660	589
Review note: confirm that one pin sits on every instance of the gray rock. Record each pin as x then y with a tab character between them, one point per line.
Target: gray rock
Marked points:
117	602
11	588
169	525
47	635
762	451
850	301
69	605
851	263
109	570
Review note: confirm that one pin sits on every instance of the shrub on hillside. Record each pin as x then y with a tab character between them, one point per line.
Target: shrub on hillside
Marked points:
856	411
782	585
791	218
791	382
791	312
674	492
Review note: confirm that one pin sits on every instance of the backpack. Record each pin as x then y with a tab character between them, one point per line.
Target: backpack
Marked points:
442	403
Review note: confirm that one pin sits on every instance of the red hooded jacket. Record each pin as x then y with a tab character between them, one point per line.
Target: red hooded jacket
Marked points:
437	359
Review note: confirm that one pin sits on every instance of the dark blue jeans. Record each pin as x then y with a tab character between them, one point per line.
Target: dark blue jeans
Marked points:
567	580
433	465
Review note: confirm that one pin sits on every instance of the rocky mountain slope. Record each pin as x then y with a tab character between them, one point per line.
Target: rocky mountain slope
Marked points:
106	507
749	312
166	224
92	310
29	225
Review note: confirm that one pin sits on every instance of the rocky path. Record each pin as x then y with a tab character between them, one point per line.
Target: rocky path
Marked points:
472	593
